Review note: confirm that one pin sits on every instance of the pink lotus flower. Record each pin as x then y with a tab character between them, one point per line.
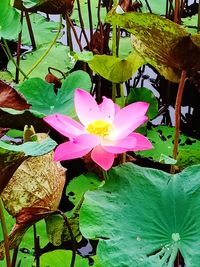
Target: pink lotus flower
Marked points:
105	130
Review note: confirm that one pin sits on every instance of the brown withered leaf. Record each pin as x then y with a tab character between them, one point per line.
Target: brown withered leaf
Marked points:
48	6
9	98
164	44
33	193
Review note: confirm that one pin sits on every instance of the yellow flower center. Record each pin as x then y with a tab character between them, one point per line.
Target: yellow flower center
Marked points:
100	128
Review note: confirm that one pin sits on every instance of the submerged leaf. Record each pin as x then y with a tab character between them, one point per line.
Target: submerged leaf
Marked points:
154	213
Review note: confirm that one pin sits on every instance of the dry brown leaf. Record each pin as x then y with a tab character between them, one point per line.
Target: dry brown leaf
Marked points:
33	193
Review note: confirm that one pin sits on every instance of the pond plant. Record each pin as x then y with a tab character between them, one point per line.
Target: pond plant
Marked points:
99	133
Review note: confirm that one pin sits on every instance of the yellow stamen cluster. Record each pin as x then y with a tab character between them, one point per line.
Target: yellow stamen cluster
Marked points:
100	128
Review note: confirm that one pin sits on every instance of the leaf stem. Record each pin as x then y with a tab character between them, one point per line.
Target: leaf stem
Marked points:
5	235
72	264
12	59
48	50
178	111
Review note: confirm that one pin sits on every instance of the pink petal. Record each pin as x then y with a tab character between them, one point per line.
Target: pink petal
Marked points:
142	143
129	118
103	158
127	127
69	150
86	107
120	146
117	108
65	125
107	109
82	145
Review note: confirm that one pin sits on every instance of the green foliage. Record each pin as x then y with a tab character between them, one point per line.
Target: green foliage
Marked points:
144	216
60	258
10	25
115	69
162	138
125	47
157	7
144	94
31	3
164	44
31	148
44	30
58	58
43	99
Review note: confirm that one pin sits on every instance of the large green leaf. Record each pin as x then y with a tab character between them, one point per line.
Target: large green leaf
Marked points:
10	25
162	138
43	100
58	58
144	216
43	29
164	44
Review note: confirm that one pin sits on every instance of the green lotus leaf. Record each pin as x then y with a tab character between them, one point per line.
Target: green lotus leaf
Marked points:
60	258
162	138
115	69
143	217
58	58
43	99
10	25
43	29
144	94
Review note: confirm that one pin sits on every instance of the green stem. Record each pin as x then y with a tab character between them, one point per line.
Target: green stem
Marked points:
122	95
5	235
8	53
48	50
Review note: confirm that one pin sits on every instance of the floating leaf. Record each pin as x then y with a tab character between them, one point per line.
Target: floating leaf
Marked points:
162	138
190	23
164	44
43	29
60	257
43	100
144	94
58	58
10	25
154	213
